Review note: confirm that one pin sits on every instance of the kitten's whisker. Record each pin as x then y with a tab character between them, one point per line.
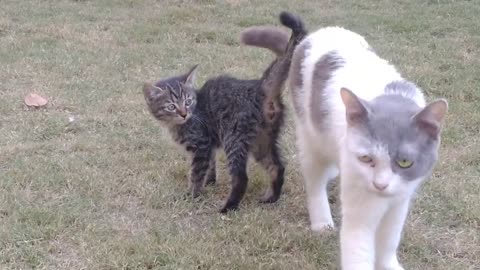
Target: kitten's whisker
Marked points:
195	117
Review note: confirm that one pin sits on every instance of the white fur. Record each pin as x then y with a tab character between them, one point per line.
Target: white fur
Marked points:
372	220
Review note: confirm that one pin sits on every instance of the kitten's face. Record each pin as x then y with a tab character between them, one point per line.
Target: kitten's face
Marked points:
173	100
393	144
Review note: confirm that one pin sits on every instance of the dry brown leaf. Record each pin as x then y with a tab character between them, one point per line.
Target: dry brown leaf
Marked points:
35	100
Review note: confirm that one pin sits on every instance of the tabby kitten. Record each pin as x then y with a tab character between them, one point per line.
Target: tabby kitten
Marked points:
242	116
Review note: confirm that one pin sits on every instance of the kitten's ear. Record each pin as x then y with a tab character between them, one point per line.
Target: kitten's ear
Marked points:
191	76
356	111
430	118
150	91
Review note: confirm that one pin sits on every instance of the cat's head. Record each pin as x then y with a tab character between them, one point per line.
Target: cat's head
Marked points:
391	143
172	100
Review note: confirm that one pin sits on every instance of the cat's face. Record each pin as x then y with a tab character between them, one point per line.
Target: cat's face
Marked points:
391	142
173	100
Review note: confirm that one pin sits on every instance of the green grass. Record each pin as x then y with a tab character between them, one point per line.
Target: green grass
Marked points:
106	191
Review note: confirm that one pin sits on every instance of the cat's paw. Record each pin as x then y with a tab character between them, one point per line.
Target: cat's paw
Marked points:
391	264
396	267
321	227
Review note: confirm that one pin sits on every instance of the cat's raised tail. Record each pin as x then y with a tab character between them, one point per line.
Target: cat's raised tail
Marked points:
272	37
277	40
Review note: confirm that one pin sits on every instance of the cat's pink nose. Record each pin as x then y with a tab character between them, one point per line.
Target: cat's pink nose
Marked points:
380	187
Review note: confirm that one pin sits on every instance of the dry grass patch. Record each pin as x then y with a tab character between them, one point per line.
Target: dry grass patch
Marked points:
106	190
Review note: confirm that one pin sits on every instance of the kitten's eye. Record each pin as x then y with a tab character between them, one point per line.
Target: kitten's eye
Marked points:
188	102
171	107
404	163
365	159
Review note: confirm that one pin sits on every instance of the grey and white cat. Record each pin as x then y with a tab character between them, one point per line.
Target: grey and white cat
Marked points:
358	118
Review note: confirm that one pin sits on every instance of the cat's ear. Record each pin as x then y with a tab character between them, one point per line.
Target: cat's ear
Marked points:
356	111
150	91
191	76
430	118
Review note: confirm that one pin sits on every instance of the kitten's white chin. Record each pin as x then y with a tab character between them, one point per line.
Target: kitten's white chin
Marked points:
181	121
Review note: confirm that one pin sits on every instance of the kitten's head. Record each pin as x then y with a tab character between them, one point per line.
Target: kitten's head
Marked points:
172	100
391	142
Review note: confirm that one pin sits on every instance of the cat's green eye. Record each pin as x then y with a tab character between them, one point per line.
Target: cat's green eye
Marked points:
171	107
365	159
404	163
188	102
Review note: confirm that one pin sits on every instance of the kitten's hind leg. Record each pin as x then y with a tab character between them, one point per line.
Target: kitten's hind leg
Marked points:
211	177
317	171
236	150
272	163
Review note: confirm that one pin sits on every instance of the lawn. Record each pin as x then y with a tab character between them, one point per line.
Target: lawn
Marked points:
92	181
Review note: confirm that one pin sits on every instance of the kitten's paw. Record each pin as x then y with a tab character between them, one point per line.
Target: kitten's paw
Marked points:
229	207
195	194
210	181
321	227
195	190
269	198
189	196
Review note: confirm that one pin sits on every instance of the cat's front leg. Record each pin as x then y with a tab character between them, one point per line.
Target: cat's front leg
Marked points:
200	164
317	171
389	235
361	214
357	243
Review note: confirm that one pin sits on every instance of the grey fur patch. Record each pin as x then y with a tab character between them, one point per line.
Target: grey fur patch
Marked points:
390	123
403	88
322	73
296	76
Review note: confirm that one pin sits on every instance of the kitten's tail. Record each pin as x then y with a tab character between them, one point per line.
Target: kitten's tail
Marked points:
277	40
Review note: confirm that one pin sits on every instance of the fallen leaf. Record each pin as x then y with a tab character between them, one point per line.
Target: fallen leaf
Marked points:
35	100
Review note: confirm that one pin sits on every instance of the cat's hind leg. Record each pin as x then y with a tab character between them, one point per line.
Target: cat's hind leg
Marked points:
317	170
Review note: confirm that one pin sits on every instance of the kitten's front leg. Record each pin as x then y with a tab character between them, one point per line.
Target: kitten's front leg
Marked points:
389	235
211	177
200	164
